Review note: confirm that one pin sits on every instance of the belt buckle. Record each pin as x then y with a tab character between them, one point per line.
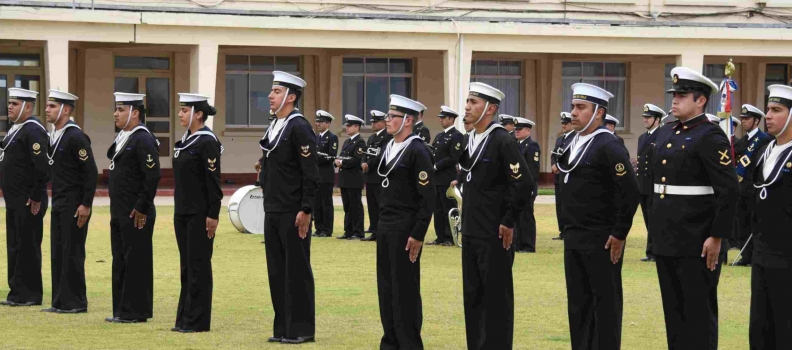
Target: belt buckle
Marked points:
662	191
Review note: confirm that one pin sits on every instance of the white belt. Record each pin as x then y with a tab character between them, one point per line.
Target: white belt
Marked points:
684	190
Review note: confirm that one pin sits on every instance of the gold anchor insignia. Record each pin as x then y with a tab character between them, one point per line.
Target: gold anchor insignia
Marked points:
751	147
646	108
620	170
83	155
724	155
149	159
212	164
676	78
306	151
745	110
36	149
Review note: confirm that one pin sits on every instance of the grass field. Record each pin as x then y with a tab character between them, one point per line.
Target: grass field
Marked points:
347	312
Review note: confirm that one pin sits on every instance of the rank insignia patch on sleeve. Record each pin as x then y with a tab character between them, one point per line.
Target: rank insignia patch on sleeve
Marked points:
422	178
306	150
83	155
36	148
620	171
212	164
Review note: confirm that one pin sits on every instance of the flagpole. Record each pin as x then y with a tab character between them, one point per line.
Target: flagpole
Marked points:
726	101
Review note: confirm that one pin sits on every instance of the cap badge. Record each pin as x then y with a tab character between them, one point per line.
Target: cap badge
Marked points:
676	78
646	108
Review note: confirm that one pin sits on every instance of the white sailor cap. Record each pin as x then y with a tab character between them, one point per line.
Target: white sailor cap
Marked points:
609	119
287	80
687	80
735	121
446	112
405	105
780	94
423	107
377	116
352	120
486	92
127	99
189	99
523	122
22	94
62	97
591	93
713	118
506	119
652	111
749	111
324	116
566	117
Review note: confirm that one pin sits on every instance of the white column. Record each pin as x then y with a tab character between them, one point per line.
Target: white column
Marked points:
456	78
57	65
203	72
692	60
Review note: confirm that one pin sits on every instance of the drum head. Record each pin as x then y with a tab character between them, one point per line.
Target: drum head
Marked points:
250	210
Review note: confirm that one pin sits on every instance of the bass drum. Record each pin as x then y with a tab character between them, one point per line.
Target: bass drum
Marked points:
246	210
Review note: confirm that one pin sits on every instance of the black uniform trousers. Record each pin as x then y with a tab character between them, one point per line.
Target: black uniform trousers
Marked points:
690	302
353	212
195	259
290	275
743	229
525	230
68	259
594	299
443	205
323	209
771	308
133	268
373	193
646	205
24	232
488	290
399	290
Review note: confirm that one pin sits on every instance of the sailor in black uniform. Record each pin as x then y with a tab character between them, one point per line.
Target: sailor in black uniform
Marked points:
771	285
525	229
508	123
291	176
74	173
747	153
420	128
610	123
406	208
196	171
327	144
493	177
693	209
374	147
134	176
599	197
562	142
24	174
447	147
646	144
350	178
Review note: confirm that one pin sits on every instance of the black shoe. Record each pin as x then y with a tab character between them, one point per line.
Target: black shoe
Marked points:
368	231
175	329
125	320
274	339
50	309
358	237
28	303
344	237
435	242
298	340
318	234
188	331
742	263
371	238
559	238
447	244
648	259
72	311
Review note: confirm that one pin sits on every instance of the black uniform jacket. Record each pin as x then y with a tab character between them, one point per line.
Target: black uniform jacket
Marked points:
747	154
531	153
74	170
349	174
448	147
291	174
600	195
408	201
377	142
422	131
135	175
327	144
694	153
493	197
646	146
24	171
773	242
560	145
196	172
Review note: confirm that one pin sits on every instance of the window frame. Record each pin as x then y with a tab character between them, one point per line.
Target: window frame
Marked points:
624	118
366	116
248	72
11	73
519	77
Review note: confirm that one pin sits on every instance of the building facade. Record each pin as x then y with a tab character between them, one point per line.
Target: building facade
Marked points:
354	53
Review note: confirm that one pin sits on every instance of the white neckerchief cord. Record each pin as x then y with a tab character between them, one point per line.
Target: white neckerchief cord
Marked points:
764	158
280	136
13	132
481	144
121	141
399	155
56	137
580	155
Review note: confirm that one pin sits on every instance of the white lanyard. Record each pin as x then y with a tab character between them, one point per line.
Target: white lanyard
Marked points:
763	193
195	137
580	155
13	135
282	130
120	147
482	144
57	141
407	142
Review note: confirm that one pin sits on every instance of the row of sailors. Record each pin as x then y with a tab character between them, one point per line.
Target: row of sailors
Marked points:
695	192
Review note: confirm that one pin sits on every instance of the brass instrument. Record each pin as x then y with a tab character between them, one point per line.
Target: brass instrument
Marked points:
327	156
455	214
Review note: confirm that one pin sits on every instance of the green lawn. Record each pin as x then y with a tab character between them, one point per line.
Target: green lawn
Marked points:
347	312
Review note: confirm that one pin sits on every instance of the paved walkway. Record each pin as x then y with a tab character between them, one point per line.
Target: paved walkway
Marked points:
168	201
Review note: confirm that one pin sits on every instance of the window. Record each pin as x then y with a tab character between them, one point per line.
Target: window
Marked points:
669	84
775	74
248	85
505	76
19	60
611	76
22	70
369	82
124	62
